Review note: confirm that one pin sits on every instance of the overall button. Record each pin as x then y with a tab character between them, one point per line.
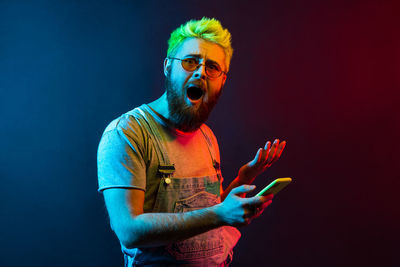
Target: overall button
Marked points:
167	181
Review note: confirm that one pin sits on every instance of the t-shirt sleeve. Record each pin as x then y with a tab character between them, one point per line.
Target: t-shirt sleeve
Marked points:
120	162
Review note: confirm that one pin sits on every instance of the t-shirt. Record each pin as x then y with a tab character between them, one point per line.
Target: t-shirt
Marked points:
127	157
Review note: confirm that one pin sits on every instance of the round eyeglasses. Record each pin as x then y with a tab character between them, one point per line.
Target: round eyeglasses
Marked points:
213	70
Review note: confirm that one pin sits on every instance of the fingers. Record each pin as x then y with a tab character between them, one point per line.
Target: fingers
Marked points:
259	155
266	204
261	209
246	209
269	154
267	197
257	158
242	189
272	152
279	151
265	151
254	211
267	145
257	201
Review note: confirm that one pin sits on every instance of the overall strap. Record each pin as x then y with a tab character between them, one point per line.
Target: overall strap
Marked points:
212	151
150	125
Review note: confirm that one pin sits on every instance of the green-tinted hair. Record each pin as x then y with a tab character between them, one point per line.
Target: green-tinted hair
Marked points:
208	29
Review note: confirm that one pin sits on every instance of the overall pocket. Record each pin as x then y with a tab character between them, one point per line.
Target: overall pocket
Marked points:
204	245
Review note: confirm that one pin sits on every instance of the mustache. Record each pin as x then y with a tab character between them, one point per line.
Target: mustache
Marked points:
184	117
197	83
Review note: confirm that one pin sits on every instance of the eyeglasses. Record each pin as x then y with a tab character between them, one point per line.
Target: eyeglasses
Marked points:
213	70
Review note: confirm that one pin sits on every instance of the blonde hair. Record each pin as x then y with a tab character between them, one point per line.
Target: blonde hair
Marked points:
207	29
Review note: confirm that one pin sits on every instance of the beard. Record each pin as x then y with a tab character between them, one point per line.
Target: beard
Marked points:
184	117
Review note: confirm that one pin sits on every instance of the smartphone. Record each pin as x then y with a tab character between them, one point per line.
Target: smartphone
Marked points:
274	187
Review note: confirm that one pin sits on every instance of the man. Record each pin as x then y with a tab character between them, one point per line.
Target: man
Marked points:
158	165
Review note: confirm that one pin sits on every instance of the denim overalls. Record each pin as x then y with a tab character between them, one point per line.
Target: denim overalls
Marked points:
212	248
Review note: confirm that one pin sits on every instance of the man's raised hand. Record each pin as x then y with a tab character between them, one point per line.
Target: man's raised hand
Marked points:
264	158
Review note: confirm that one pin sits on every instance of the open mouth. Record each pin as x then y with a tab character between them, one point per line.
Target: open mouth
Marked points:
194	93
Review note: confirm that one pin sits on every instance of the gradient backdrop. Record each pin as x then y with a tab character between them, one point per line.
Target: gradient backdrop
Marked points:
323	75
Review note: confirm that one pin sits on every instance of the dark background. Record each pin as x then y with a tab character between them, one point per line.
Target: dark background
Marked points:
323	75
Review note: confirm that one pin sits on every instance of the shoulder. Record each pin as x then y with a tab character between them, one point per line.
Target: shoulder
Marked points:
124	132
207	130
126	124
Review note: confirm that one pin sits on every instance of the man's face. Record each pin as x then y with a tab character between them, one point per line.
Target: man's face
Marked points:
192	95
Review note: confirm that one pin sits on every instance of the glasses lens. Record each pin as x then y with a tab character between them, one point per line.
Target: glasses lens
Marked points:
213	73
213	70
189	64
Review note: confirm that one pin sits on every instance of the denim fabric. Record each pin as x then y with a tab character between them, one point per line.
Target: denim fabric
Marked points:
212	248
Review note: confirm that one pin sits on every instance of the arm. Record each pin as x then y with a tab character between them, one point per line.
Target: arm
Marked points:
137	229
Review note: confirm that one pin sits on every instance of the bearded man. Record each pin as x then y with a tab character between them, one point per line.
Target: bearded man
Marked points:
159	164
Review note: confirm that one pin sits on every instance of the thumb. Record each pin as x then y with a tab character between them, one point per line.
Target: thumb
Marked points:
257	157
242	189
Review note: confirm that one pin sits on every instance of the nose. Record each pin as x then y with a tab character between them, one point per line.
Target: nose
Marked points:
200	72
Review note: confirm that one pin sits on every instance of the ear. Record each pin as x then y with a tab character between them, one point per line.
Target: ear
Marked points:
167	66
223	79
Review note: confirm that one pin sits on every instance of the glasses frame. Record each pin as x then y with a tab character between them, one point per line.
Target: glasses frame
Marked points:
198	66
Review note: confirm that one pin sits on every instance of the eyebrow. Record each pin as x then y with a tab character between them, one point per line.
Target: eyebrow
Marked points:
199	56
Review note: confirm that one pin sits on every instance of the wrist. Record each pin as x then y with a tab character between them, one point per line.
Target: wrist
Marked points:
247	174
218	211
240	180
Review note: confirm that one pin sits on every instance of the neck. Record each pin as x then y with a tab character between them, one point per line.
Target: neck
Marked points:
161	106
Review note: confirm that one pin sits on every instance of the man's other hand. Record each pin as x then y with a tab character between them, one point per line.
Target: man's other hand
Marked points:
264	158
